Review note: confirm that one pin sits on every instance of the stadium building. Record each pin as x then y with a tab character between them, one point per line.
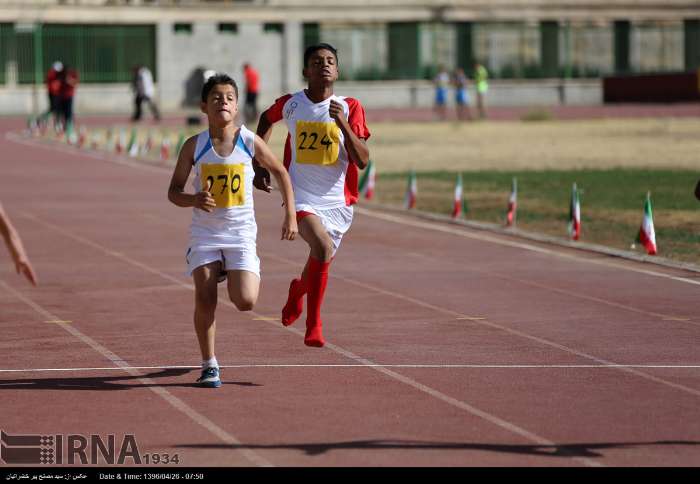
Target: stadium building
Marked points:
537	51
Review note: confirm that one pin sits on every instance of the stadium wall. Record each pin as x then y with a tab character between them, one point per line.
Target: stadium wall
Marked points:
117	98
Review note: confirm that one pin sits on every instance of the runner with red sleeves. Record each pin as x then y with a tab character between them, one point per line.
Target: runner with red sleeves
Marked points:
325	147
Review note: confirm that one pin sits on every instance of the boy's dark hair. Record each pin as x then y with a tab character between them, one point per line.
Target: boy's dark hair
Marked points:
315	48
218	78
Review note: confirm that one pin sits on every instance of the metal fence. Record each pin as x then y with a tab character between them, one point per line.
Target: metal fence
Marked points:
100	53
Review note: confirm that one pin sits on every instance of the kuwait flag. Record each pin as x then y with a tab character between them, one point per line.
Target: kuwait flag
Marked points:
459	204
367	181
512	203
647	235
574	215
411	191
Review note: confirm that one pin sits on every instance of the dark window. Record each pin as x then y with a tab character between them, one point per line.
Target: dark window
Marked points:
273	27
182	28
228	28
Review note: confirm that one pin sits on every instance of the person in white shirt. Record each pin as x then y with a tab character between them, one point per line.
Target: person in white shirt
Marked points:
223	230
144	91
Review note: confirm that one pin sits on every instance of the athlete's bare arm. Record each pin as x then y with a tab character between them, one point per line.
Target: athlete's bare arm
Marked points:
16	248
261	180
176	192
356	147
269	162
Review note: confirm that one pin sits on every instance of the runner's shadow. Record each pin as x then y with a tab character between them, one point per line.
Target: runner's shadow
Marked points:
557	450
107	382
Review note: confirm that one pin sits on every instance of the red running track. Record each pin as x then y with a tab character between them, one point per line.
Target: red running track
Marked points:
447	346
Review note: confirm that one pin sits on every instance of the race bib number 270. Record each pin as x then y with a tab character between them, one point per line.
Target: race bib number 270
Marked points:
317	142
225	183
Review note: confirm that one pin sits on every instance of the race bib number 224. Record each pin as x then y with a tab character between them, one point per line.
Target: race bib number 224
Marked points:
317	143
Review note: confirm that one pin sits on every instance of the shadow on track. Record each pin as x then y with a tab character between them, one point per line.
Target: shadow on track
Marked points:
106	382
559	450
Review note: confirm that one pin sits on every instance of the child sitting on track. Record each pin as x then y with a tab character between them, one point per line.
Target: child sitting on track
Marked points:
223	230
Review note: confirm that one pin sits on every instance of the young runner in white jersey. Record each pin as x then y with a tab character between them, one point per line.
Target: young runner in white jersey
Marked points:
325	147
223	229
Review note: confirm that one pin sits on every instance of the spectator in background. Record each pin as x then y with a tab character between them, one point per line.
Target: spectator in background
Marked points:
459	81
14	245
53	86
69	81
252	87
481	77
144	90
697	190
442	82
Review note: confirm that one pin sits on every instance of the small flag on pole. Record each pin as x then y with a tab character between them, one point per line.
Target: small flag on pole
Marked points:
133	147
121	142
95	142
364	179
574	215
512	203
82	136
647	235
148	145
371	180
134	150
411	191
165	149
458	204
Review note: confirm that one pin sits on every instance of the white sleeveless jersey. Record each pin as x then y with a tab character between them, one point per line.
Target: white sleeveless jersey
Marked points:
232	223
322	174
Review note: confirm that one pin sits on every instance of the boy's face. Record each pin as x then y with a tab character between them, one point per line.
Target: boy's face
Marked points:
322	66
221	106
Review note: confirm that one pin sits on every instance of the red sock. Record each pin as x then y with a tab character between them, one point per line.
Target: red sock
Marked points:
317	281
295	301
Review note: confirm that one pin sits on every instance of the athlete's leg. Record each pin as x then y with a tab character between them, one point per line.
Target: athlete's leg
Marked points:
243	289
295	300
321	253
205	281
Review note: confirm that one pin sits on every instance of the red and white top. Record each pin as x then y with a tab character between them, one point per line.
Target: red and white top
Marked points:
322	173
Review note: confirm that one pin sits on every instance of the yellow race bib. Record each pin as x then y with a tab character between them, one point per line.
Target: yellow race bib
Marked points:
317	143
226	182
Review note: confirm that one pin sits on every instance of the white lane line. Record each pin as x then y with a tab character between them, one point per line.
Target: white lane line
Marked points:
574	294
148	382
396	376
520	245
320	365
522	334
438	227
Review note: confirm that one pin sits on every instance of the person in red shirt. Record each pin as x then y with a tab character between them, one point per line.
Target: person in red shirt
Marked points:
69	80
252	87
53	86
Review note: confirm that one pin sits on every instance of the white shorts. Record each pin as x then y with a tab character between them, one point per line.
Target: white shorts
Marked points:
232	259
336	221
